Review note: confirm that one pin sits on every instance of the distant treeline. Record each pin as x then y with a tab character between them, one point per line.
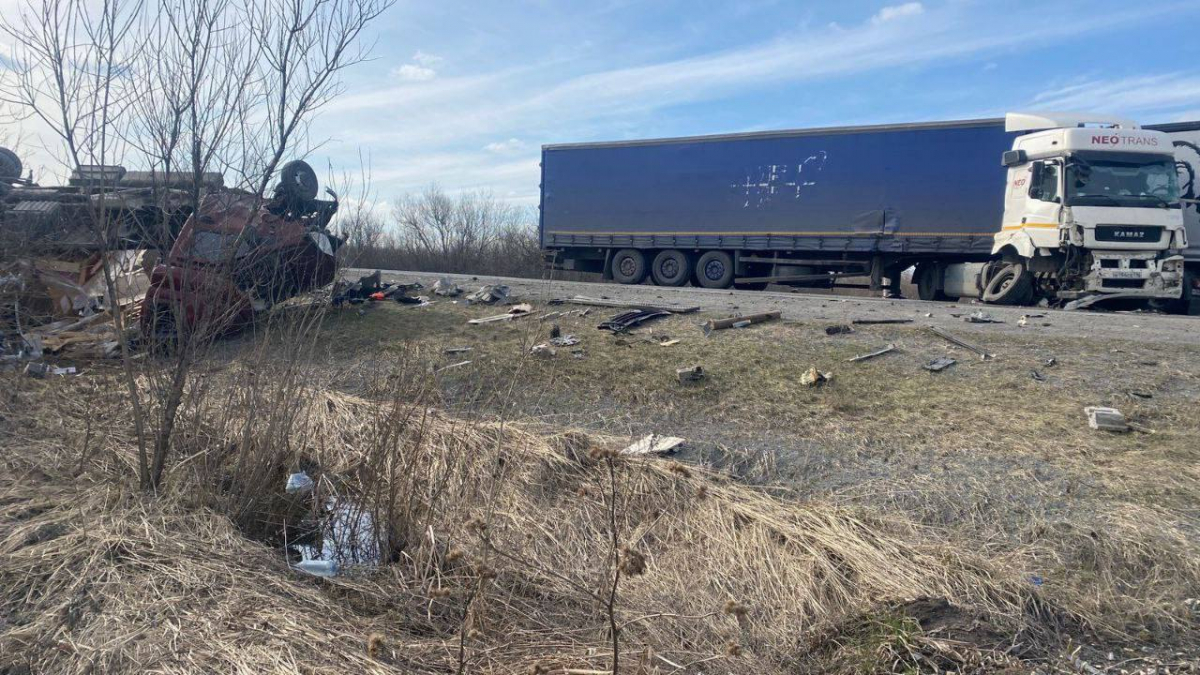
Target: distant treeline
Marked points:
470	233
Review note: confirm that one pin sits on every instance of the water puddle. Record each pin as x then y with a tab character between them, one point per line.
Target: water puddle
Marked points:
343	536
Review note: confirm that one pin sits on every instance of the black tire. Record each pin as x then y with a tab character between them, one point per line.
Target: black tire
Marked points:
714	269
629	266
671	268
927	282
298	180
10	165
1010	284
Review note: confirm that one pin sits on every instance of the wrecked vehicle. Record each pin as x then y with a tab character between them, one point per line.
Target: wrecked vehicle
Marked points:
76	256
240	254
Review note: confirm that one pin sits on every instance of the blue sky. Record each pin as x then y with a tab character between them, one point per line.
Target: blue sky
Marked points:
465	93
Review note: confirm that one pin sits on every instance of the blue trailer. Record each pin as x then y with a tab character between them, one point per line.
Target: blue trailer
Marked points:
812	206
799	207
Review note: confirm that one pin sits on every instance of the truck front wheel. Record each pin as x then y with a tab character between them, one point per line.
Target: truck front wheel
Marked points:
671	268
629	266
928	283
714	269
1010	284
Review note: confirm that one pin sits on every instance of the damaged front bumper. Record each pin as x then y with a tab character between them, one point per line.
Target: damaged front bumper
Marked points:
1135	275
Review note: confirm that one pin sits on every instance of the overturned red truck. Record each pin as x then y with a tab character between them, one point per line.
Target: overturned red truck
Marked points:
214	266
241	253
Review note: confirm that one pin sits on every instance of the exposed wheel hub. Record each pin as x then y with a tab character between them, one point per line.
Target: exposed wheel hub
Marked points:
628	266
670	268
714	270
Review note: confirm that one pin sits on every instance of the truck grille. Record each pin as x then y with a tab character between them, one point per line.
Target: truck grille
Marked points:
1144	233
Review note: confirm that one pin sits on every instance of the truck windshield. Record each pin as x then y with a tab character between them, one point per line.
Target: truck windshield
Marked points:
1121	181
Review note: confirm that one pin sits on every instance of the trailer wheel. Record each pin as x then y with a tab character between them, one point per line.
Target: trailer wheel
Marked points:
671	268
926	276
714	269
629	266
1010	284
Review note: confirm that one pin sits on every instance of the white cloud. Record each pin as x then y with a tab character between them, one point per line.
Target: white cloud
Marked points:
892	12
420	70
505	147
1152	96
425	59
414	73
448	136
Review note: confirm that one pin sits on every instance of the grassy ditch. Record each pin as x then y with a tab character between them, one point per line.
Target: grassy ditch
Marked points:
879	523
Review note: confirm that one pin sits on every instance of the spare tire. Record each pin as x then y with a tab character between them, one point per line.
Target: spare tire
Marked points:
10	165
1010	284
297	180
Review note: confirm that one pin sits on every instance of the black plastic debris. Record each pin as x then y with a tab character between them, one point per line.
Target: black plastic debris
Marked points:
626	320
939	364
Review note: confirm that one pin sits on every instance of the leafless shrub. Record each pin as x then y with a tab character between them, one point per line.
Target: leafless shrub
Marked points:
433	231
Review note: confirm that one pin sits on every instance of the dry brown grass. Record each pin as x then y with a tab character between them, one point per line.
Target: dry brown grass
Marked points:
497	528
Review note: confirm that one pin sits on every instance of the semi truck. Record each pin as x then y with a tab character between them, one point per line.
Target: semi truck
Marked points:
1065	208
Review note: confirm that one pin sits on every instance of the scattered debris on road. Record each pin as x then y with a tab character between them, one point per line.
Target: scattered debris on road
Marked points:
635	317
1144	395
870	355
514	312
456	350
605	302
653	444
982	317
1051	362
489	294
868	322
446	288
564	341
814	378
939	364
1037	376
690	375
668	343
543	349
983	353
1106	419
739	321
838	330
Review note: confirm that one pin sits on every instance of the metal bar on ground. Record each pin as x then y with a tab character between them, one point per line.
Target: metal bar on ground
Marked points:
721	324
871	355
983	353
601	302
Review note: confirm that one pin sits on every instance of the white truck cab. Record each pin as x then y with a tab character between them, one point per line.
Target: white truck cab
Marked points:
1092	211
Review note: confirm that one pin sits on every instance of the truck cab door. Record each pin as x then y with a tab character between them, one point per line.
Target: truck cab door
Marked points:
1032	207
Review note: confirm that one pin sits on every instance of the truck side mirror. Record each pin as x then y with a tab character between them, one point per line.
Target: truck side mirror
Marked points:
1013	158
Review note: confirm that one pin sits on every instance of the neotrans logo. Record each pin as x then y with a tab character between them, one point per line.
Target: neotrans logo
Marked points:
1114	139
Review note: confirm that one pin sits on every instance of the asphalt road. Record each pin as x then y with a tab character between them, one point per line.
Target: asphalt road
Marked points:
1082	324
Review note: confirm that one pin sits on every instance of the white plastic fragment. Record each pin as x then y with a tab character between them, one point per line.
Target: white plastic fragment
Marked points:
1106	419
298	483
319	568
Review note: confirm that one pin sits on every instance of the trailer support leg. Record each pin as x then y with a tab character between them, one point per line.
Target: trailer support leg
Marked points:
876	274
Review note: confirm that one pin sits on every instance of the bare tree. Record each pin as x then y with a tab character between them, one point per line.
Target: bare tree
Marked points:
470	233
71	66
180	86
